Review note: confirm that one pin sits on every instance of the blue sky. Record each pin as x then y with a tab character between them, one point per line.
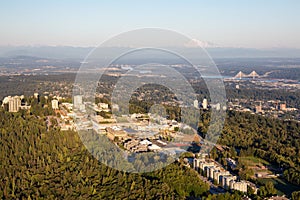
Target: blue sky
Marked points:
238	23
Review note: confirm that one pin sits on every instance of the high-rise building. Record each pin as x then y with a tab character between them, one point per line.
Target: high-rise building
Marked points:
204	104
283	106
36	95
218	175
258	108
226	180
218	106
240	186
196	104
54	104
77	101
14	104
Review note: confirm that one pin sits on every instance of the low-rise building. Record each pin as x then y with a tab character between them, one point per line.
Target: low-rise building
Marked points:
114	132
278	198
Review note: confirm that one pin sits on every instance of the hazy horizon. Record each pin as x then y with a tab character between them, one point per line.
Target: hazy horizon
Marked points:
247	24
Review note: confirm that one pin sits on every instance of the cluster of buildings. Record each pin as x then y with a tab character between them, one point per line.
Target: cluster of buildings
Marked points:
133	132
15	103
137	146
12	104
270	108
65	110
273	105
215	172
204	105
132	143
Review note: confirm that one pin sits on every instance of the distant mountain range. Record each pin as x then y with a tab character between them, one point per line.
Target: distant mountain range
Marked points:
79	53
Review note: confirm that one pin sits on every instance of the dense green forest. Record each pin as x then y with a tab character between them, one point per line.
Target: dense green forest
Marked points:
36	163
41	163
272	139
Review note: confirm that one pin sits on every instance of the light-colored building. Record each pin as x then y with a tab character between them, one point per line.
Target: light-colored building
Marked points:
278	198
154	147
78	103
14	104
204	104
25	107
212	171
196	104
54	104
215	172
6	100
218	106
240	186
196	163
36	95
226	181
283	107
218	175
103	105
204	165
77	100
258	109
113	133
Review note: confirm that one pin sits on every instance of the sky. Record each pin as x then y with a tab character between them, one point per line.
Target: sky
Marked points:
230	23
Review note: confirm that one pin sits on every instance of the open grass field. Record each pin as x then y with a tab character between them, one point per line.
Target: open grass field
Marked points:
282	186
253	161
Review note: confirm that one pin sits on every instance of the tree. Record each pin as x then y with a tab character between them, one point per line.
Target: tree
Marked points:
296	195
270	188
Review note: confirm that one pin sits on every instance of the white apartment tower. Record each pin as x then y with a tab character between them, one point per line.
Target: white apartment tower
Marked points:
204	104
14	104
54	104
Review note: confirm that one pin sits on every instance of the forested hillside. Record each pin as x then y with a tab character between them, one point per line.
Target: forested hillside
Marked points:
274	140
36	163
